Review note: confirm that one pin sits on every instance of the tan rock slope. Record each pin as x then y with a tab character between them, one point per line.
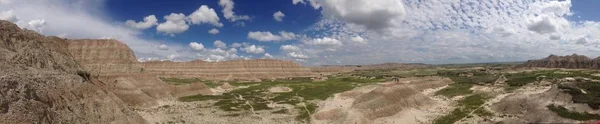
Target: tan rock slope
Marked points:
40	82
228	70
104	56
114	63
387	103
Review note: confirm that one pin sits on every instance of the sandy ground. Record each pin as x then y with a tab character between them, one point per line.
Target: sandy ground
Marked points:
339	108
423	114
280	89
172	111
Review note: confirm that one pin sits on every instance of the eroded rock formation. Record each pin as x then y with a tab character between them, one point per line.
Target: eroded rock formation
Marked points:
228	70
571	61
138	84
40	82
104	56
379	104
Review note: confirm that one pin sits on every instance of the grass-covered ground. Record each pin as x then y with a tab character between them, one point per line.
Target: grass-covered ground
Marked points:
584	92
183	81
305	91
467	105
565	113
212	84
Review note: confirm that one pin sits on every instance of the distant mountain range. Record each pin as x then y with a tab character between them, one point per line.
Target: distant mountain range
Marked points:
571	61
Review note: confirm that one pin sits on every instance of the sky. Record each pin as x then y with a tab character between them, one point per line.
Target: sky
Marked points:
324	32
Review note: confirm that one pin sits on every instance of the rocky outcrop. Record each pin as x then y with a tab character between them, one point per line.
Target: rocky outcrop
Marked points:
228	70
104	57
115	64
571	62
40	82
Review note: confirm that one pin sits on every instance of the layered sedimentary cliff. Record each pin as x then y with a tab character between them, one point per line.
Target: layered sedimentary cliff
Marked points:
571	61
104	56
228	70
40	82
115	64
138	84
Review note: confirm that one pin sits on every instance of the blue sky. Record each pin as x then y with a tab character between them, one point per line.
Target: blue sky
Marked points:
296	19
324	32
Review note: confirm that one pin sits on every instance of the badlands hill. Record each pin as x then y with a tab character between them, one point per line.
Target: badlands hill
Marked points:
571	61
228	70
104	56
40	82
139	84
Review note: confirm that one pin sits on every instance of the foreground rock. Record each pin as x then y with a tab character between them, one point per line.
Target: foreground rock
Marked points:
40	82
409	101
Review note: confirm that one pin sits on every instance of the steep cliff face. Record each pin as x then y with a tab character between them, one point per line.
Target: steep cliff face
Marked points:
115	64
571	61
228	70
104	56
40	82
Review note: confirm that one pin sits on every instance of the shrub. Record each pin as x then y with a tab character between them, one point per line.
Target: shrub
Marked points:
84	74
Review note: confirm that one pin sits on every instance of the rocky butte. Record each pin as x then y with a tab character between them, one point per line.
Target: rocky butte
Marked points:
570	61
228	70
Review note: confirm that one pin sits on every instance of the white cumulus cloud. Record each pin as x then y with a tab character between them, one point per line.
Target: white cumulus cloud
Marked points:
278	16
297	1
253	49
220	44
265	36
197	46
267	55
148	22
373	14
162	47
213	31
289	48
203	15
228	6
325	41
236	45
175	24
358	39
37	25
297	55
8	16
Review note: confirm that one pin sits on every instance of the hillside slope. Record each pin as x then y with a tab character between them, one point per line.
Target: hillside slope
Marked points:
40	82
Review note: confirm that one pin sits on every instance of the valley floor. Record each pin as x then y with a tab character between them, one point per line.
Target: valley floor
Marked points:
447	96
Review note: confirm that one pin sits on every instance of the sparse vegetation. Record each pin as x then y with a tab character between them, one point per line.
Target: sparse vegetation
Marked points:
584	92
466	106
304	91
456	89
281	111
305	112
565	113
521	79
183	81
84	74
